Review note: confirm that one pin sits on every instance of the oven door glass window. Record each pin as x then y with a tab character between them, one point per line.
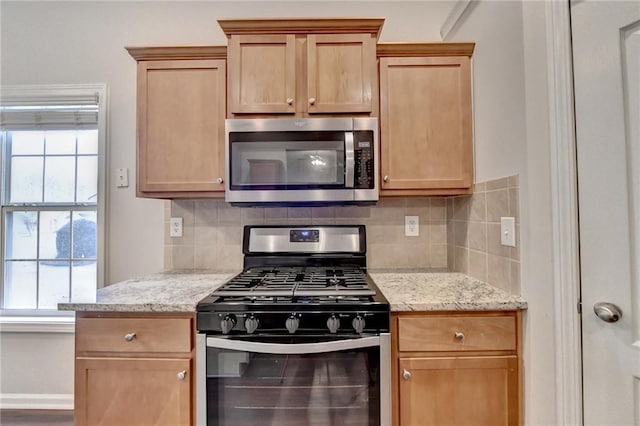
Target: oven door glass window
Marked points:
287	160
258	389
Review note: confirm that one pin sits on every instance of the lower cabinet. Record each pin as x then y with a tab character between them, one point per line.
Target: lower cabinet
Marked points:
134	369
457	369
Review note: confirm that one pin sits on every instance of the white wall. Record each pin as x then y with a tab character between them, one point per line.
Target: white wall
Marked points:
83	42
511	135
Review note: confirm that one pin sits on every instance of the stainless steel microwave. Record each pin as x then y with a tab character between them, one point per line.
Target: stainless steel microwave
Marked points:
301	161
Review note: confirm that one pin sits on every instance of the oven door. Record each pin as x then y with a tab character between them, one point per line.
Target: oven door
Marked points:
294	380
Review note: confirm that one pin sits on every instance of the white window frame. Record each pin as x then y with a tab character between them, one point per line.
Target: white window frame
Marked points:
37	320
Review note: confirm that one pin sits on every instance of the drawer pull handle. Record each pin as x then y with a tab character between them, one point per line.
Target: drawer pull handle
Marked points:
406	374
129	337
181	375
459	336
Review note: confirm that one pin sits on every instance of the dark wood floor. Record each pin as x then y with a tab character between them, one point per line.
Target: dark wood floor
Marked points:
36	418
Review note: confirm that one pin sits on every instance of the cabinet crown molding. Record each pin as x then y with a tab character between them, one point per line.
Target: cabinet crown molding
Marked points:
160	53
301	26
425	49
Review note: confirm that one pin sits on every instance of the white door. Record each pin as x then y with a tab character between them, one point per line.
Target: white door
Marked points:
606	42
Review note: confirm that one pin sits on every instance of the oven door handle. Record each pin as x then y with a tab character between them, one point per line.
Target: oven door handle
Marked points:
292	348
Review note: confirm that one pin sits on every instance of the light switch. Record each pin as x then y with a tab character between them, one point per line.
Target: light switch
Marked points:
411	226
508	231
122	177
175	227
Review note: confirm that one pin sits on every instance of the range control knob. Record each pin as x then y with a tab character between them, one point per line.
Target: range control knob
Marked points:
251	324
227	323
358	324
333	324
292	324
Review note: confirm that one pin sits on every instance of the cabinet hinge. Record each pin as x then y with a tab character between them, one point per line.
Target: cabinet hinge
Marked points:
579	307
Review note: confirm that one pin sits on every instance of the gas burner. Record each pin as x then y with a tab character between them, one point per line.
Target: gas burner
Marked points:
335	281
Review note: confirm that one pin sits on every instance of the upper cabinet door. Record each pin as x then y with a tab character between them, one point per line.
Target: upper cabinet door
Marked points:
341	72
262	74
426	125
181	112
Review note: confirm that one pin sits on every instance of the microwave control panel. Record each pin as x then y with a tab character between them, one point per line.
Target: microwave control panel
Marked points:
364	144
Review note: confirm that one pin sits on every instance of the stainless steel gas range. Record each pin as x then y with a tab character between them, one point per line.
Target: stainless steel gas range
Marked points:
299	337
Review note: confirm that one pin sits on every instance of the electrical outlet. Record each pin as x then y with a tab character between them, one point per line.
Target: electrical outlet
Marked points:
175	227
508	231
411	226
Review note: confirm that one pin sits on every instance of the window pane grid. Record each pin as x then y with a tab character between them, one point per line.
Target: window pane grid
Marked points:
50	222
52	171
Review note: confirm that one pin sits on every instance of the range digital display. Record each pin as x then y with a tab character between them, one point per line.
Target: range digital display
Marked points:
304	236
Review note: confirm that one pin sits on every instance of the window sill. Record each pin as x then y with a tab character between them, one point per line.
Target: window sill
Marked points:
37	324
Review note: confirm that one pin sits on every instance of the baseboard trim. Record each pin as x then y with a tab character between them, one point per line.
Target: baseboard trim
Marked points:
36	401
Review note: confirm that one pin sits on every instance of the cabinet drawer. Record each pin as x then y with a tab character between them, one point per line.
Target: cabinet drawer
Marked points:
457	333
133	335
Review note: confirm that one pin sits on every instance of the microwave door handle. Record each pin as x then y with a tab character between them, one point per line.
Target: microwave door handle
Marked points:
292	348
350	163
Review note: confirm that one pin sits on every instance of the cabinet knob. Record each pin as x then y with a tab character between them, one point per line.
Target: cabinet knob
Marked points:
181	375
289	101
385	179
220	180
312	101
459	335
129	336
406	374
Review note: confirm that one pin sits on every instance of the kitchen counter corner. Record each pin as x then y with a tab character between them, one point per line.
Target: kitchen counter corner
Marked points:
163	292
442	291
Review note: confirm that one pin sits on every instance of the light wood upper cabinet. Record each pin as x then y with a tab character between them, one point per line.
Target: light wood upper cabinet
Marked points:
457	368
341	73
426	137
180	122
262	74
302	67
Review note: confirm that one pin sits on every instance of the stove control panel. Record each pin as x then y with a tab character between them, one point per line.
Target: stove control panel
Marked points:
290	322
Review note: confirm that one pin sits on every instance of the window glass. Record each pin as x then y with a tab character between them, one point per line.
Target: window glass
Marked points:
87	184
21	235
28	143
26	180
20	285
60	142
59	179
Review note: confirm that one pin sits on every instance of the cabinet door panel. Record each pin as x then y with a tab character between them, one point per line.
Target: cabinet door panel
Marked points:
340	73
426	137
459	391
126	391
181	111
262	74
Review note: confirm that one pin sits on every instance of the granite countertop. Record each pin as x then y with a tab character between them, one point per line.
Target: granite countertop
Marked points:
162	292
442	291
411	290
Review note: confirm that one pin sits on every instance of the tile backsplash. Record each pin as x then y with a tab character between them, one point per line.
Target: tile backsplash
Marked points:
473	233
212	231
460	233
